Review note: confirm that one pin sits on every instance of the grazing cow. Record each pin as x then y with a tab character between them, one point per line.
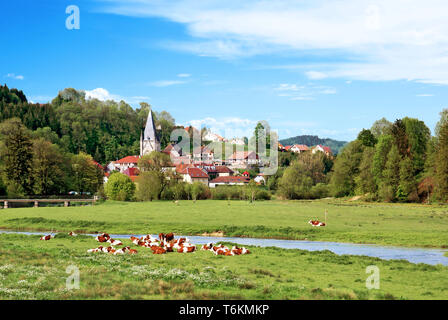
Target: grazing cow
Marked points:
99	249
166	237
72	234
186	248
221	251
47	237
158	250
207	246
316	223
115	242
104	237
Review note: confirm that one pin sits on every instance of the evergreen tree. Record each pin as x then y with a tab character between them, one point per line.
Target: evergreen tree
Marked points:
391	178
382	149
17	156
365	181
408	184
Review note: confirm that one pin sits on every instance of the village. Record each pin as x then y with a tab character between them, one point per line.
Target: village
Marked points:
204	165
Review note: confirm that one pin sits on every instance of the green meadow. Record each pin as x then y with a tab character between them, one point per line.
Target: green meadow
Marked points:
34	269
352	222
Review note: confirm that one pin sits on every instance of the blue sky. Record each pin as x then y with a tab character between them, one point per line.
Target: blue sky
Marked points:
329	68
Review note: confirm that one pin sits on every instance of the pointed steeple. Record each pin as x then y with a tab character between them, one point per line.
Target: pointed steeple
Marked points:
150	129
149	141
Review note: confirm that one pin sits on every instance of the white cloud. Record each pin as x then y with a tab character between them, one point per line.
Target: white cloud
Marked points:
302	93
316	75
14	76
226	127
425	95
101	94
184	75
104	95
166	83
387	40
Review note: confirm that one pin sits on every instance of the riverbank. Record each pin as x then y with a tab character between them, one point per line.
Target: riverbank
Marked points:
33	269
407	225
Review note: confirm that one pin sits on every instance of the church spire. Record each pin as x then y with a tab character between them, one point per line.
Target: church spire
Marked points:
150	129
149	141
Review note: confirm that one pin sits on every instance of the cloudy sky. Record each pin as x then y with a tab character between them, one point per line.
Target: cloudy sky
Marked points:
319	67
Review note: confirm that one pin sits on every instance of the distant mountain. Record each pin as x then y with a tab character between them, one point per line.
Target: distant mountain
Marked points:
310	141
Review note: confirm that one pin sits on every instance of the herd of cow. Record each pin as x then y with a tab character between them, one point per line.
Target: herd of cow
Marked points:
165	243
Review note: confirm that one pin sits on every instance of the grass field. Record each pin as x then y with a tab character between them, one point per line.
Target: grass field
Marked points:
388	224
33	269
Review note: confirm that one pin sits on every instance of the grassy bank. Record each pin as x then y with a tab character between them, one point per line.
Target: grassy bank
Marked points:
33	269
387	224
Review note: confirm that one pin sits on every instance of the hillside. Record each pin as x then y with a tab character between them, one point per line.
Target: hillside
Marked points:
310	141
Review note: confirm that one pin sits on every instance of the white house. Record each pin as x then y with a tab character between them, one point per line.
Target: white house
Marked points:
299	148
324	149
242	159
213	137
193	174
237	141
259	179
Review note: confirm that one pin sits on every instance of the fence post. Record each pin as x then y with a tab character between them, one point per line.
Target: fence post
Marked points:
36	204
66	203
5	205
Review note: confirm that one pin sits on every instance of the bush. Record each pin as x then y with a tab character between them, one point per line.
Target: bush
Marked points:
262	195
319	191
119	187
199	191
228	193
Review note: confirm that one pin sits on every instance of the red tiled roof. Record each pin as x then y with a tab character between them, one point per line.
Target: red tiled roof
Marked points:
195	172
243	155
231	179
168	149
202	150
129	159
328	149
223	169
288	147
181	167
98	165
301	147
131	172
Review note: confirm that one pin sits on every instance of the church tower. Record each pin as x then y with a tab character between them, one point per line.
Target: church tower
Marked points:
148	140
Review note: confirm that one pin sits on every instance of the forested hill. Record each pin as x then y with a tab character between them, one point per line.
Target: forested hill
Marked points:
310	141
107	130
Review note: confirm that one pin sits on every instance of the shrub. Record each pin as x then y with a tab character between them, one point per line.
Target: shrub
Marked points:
319	191
262	195
119	187
199	191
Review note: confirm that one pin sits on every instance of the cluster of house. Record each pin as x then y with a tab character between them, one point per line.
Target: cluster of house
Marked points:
299	148
209	174
202	165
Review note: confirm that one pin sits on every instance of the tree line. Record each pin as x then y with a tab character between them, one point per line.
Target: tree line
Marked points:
391	162
107	130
